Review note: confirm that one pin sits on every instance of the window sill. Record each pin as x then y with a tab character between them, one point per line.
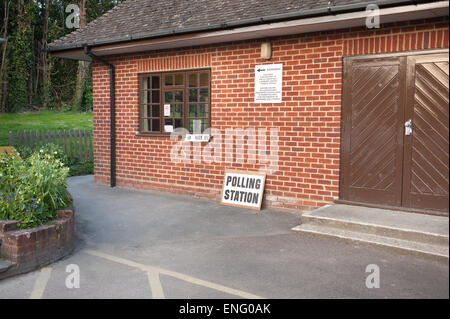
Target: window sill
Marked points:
142	134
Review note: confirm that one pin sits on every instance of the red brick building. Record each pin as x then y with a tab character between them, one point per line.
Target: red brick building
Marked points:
347	93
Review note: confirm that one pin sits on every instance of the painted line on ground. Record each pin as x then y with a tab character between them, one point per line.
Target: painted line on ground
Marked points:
187	278
41	283
155	285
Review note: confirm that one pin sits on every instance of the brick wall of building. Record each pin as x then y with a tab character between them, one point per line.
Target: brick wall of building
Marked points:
308	119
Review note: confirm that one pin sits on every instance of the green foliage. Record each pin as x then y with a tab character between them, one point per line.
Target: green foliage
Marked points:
25	89
81	167
33	189
76	165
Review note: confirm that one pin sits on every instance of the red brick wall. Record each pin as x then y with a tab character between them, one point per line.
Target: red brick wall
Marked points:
308	119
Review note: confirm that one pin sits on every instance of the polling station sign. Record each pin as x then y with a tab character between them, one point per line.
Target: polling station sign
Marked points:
243	189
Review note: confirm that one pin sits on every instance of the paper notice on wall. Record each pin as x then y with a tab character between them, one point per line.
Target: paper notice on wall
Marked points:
168	128
166	109
268	83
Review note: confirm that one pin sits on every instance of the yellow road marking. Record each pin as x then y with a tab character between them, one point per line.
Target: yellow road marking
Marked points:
183	277
41	283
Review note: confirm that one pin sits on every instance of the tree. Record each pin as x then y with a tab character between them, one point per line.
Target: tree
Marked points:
82	65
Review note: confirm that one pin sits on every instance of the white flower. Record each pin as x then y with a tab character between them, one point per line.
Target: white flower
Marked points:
41	151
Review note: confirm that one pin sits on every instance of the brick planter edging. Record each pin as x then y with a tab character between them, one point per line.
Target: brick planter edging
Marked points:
30	249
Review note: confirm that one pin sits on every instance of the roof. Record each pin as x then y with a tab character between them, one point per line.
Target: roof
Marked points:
144	19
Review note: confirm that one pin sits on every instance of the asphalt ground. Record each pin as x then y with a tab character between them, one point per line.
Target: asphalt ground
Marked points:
146	244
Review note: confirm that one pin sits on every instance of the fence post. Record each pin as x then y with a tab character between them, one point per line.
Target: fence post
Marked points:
11	136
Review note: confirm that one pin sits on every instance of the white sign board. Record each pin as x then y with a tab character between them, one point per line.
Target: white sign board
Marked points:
243	189
268	83
197	138
166	109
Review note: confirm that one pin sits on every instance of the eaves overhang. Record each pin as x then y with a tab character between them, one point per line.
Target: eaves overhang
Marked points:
336	18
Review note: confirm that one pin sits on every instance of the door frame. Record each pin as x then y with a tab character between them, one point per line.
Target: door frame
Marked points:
344	134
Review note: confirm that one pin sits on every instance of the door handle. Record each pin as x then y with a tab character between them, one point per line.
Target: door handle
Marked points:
408	127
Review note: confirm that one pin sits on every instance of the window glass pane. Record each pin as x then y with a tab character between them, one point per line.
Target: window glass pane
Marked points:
204	79
205	124
145	125
145	97
144	83
178	123
168	97
168	80
155	125
192	110
193	80
179	79
193	95
178	96
155	96
155	110
144	109
176	110
155	82
204	95
202	111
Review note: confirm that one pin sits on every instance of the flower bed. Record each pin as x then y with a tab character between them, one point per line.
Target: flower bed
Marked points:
36	216
30	249
33	189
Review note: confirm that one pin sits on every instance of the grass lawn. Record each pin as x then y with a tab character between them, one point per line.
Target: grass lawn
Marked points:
43	121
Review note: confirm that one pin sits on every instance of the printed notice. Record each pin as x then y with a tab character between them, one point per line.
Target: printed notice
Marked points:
243	189
268	83
166	109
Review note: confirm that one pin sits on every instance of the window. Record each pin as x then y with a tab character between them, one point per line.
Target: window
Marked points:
174	99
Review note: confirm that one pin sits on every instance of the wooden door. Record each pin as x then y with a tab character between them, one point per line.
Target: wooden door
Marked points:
426	161
381	162
372	145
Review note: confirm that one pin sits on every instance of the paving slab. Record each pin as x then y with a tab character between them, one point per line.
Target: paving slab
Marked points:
384	217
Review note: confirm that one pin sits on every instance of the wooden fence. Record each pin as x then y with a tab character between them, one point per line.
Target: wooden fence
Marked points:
75	143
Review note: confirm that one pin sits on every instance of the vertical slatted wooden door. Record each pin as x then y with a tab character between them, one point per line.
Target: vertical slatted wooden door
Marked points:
426	163
372	145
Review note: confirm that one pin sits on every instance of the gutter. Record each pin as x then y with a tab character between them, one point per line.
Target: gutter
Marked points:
330	10
112	112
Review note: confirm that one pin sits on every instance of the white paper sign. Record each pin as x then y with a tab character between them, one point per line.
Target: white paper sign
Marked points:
243	189
168	128
268	83
166	109
197	138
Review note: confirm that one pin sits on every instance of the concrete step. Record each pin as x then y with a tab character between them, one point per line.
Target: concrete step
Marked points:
415	233
5	265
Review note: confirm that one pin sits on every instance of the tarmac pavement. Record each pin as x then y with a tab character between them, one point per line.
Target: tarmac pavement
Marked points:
147	244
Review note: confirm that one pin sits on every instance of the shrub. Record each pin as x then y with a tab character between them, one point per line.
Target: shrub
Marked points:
82	167
76	166
32	189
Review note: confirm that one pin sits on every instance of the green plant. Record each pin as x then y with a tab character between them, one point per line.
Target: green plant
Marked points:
82	167
32	189
76	165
